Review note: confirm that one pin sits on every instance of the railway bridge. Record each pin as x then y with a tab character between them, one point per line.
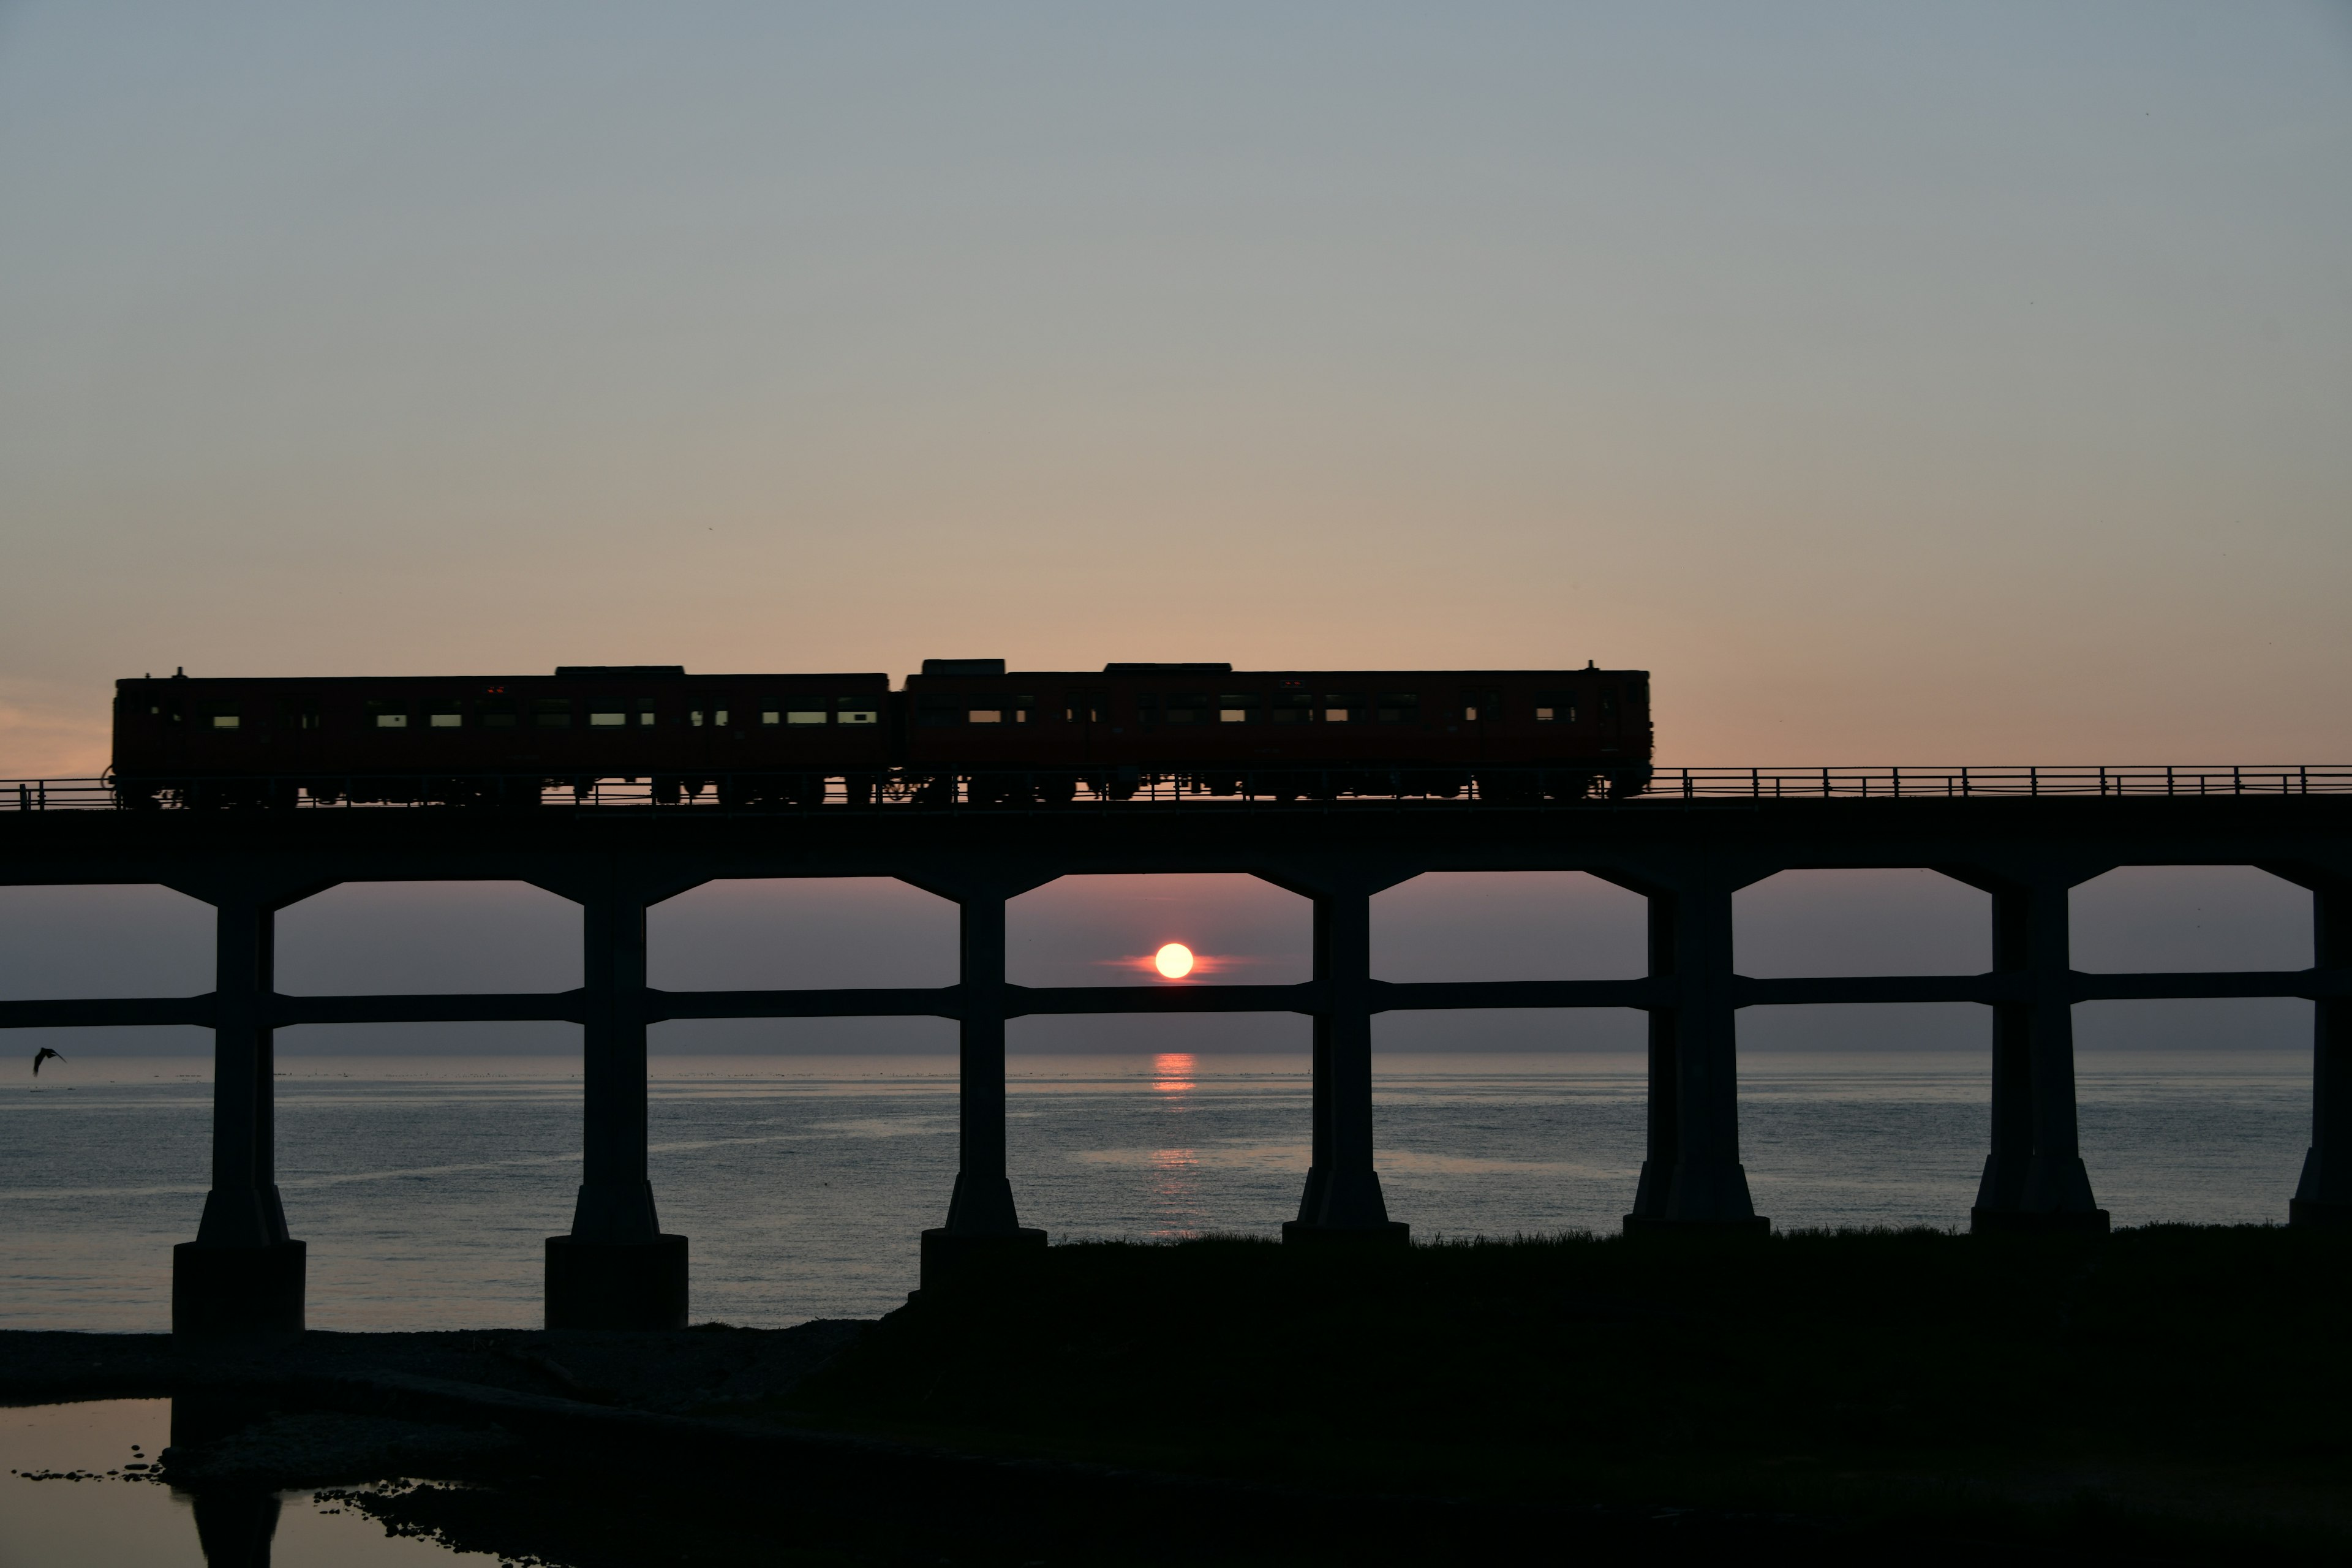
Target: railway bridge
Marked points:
2026	837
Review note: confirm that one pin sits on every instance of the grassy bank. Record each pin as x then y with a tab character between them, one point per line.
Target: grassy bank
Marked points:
2174	1390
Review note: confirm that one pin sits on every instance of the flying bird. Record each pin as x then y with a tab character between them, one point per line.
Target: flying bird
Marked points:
44	1054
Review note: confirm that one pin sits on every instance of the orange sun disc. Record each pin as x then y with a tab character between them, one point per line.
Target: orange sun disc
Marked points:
1174	960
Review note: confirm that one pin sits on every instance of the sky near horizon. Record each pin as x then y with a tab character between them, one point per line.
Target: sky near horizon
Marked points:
1900	383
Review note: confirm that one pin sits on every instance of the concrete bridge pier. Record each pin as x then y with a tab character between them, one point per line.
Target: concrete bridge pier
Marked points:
1692	1180
1343	1200
981	1219
2323	1199
243	1274
616	1268
2033	1175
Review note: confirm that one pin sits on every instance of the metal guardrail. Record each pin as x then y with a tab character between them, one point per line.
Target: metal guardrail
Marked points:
1517	787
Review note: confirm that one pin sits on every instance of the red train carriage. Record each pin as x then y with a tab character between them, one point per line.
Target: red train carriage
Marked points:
1517	733
964	729
759	739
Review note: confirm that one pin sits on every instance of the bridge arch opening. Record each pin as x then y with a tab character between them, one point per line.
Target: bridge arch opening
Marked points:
1888	921
1103	930
2148	919
1191	1125
456	1141
104	939
1196	1123
413	938
1509	925
2195	1109
788	933
802	1156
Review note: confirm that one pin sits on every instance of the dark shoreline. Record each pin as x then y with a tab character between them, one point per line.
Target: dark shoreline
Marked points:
2165	1394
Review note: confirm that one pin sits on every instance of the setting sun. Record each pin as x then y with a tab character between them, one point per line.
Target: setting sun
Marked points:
1174	960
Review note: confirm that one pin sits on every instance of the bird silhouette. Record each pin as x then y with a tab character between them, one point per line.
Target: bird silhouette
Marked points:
44	1054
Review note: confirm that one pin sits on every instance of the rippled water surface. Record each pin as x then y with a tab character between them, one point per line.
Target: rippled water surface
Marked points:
423	1185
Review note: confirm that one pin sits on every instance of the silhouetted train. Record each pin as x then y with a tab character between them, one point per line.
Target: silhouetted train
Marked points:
963	729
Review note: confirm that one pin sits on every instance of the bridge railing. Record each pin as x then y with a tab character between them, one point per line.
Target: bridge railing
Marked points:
1777	784
1515	788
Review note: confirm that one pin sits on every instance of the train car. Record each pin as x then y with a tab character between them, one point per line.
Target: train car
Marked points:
996	734
755	739
963	729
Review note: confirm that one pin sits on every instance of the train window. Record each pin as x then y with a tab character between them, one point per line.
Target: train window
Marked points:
608	713
856	710
1555	707
301	715
445	713
705	711
645	712
1189	708
387	714
1343	708
1147	708
1086	706
1023	706
804	711
219	715
1398	708
496	712
551	712
1478	705
1290	706
1608	705
984	715
933	712
1238	708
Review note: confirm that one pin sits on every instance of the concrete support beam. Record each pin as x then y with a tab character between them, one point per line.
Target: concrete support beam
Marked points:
981	1219
2323	1197
243	1274
1343	1200
616	1268
1692	1180
2033	1175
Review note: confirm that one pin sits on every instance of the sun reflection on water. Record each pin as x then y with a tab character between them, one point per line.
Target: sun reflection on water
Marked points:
1175	1183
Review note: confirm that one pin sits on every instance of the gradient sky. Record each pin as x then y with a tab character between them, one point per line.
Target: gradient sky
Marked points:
1901	383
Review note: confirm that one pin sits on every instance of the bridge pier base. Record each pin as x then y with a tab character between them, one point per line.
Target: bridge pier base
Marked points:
2323	1199
983	1222
1692	1180
617	1269
2034	1180
1343	1203
243	1274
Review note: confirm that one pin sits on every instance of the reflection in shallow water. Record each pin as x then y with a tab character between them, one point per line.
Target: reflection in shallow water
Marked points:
114	1517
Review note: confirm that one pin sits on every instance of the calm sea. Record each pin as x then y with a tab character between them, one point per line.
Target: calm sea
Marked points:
423	1185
